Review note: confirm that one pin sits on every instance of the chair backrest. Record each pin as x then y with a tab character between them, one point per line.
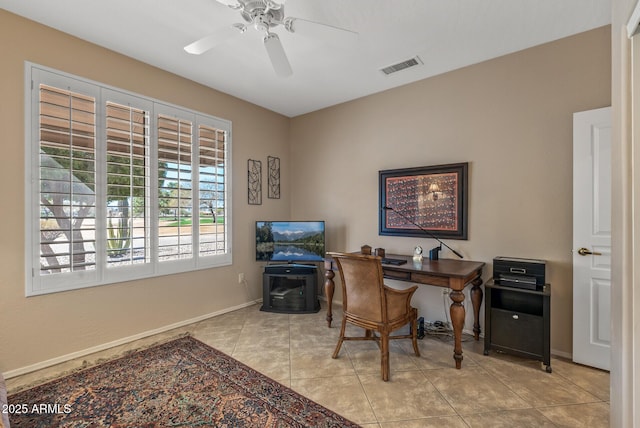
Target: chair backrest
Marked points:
362	286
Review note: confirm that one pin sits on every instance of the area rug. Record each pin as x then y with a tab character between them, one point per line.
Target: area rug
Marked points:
181	383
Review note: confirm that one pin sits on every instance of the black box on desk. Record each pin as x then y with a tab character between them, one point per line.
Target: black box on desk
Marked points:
516	272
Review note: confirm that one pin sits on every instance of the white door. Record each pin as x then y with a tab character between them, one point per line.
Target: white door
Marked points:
592	238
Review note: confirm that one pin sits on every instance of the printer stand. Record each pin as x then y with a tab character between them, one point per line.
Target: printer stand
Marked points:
517	321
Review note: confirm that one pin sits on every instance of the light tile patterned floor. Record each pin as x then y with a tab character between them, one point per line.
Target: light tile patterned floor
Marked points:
489	391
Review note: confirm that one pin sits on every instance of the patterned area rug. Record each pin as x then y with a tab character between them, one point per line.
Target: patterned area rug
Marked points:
182	383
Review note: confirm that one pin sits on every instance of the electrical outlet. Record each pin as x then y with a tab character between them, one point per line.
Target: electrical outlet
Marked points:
240	278
446	292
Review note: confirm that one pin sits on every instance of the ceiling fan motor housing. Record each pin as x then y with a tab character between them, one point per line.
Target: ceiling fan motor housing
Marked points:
261	15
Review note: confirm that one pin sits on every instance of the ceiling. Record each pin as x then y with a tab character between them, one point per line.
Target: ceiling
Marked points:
445	34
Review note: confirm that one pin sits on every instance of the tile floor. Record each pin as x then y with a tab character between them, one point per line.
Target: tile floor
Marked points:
489	391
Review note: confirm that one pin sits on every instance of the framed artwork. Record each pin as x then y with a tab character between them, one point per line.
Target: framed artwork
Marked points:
273	180
433	198
254	172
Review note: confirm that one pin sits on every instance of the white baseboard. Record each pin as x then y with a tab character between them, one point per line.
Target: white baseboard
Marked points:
79	354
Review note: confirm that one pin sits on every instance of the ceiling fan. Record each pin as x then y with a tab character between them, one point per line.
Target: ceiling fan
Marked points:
264	16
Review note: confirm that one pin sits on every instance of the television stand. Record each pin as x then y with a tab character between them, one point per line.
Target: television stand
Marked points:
290	289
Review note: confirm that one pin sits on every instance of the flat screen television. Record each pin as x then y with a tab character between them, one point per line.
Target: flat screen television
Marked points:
290	241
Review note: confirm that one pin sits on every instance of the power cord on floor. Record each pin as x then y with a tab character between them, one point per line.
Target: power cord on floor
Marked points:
437	327
441	329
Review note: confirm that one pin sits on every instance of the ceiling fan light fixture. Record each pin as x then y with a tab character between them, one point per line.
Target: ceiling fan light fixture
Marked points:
274	5
288	24
240	27
262	22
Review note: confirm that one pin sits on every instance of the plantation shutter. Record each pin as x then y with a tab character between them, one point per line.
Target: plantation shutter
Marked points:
67	141
212	143
127	171
175	199
114	192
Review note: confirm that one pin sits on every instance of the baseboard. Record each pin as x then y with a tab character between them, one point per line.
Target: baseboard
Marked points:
567	355
79	354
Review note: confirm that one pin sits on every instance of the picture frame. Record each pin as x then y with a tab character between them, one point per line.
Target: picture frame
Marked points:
254	182
273	181
431	198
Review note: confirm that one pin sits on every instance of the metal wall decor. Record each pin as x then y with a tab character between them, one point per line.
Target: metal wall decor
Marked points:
433	197
254	171
273	181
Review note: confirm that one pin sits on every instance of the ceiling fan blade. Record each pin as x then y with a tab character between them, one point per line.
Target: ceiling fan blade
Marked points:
317	30
230	3
211	41
277	55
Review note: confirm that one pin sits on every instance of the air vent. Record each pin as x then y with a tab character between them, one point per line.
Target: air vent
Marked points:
412	62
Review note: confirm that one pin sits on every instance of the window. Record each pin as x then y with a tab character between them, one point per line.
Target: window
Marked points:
119	186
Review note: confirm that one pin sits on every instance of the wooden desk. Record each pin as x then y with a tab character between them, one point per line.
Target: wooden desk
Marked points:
449	273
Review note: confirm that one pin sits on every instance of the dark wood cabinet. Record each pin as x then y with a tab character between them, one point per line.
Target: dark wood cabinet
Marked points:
290	289
517	321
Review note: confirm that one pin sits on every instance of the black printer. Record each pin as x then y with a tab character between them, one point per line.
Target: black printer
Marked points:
519	273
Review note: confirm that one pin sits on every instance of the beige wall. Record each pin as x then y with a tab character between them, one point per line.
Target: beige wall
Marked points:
39	328
510	118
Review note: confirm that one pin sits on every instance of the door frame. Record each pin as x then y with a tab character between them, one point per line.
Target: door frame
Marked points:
625	372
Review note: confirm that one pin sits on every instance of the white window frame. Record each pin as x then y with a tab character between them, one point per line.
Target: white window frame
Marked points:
36	284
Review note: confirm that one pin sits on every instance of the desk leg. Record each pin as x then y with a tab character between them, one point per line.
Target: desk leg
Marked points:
457	319
329	288
476	301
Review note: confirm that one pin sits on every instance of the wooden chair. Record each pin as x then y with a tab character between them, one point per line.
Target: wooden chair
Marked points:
370	304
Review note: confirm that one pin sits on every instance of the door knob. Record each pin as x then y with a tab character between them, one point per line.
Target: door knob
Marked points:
584	252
